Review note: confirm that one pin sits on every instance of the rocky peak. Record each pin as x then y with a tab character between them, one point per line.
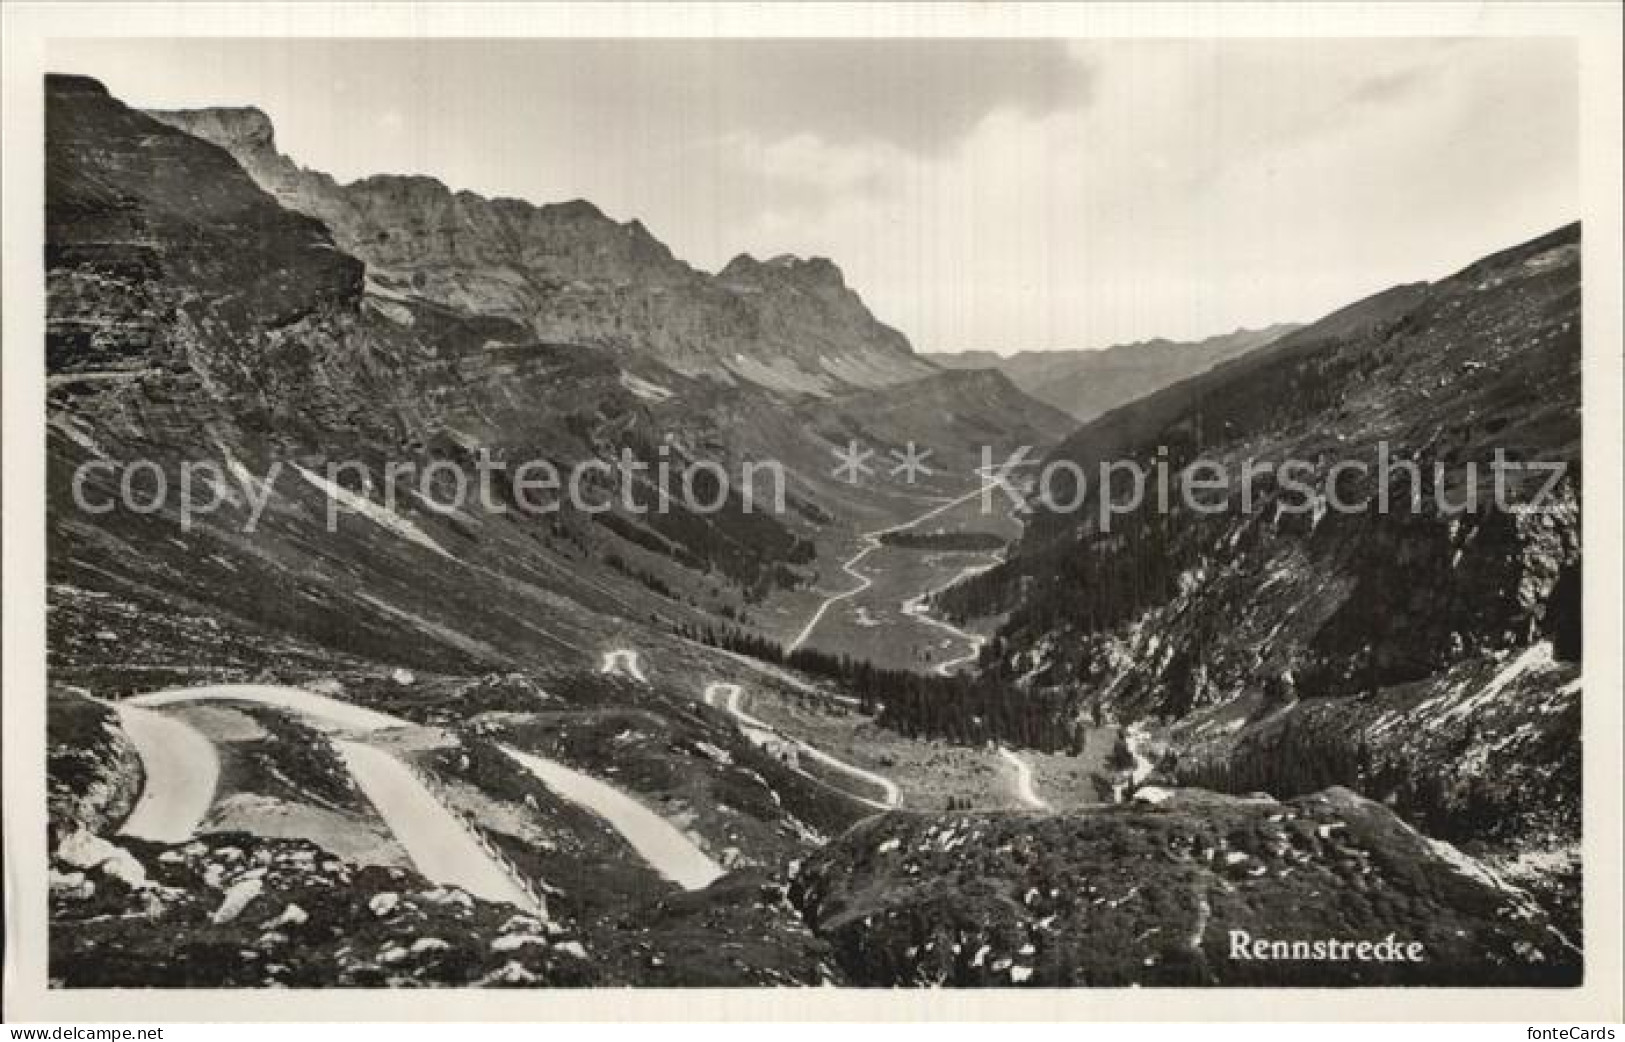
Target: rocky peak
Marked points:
409	184
60	84
233	129
742	266
574	210
817	269
812	272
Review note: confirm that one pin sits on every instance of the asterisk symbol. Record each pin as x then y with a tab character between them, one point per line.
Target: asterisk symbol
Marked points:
911	463
854	462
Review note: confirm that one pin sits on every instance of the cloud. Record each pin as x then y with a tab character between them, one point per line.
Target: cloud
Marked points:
804	173
1208	186
919	96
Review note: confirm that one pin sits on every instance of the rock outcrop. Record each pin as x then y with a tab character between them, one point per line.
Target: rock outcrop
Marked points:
1161	897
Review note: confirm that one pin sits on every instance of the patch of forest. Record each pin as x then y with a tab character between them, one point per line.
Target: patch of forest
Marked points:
966	710
977	542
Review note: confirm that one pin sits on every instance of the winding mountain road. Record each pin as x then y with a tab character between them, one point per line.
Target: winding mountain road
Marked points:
180	772
870	543
1143	765
441	847
323	712
760	731
1026	790
623	662
656	840
917	608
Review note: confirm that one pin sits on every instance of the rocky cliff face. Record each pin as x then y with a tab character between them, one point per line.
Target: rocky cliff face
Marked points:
570	274
143	260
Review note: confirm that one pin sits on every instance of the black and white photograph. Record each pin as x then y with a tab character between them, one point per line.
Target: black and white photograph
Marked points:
905	511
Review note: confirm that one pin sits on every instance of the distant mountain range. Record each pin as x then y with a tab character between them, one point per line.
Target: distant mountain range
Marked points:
1086	383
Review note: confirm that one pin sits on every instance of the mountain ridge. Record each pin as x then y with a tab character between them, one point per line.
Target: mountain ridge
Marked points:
1087	382
571	274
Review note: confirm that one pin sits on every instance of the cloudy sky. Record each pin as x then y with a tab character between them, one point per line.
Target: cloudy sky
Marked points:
979	194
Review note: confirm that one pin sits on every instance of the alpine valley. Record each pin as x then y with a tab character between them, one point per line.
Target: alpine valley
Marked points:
908	730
